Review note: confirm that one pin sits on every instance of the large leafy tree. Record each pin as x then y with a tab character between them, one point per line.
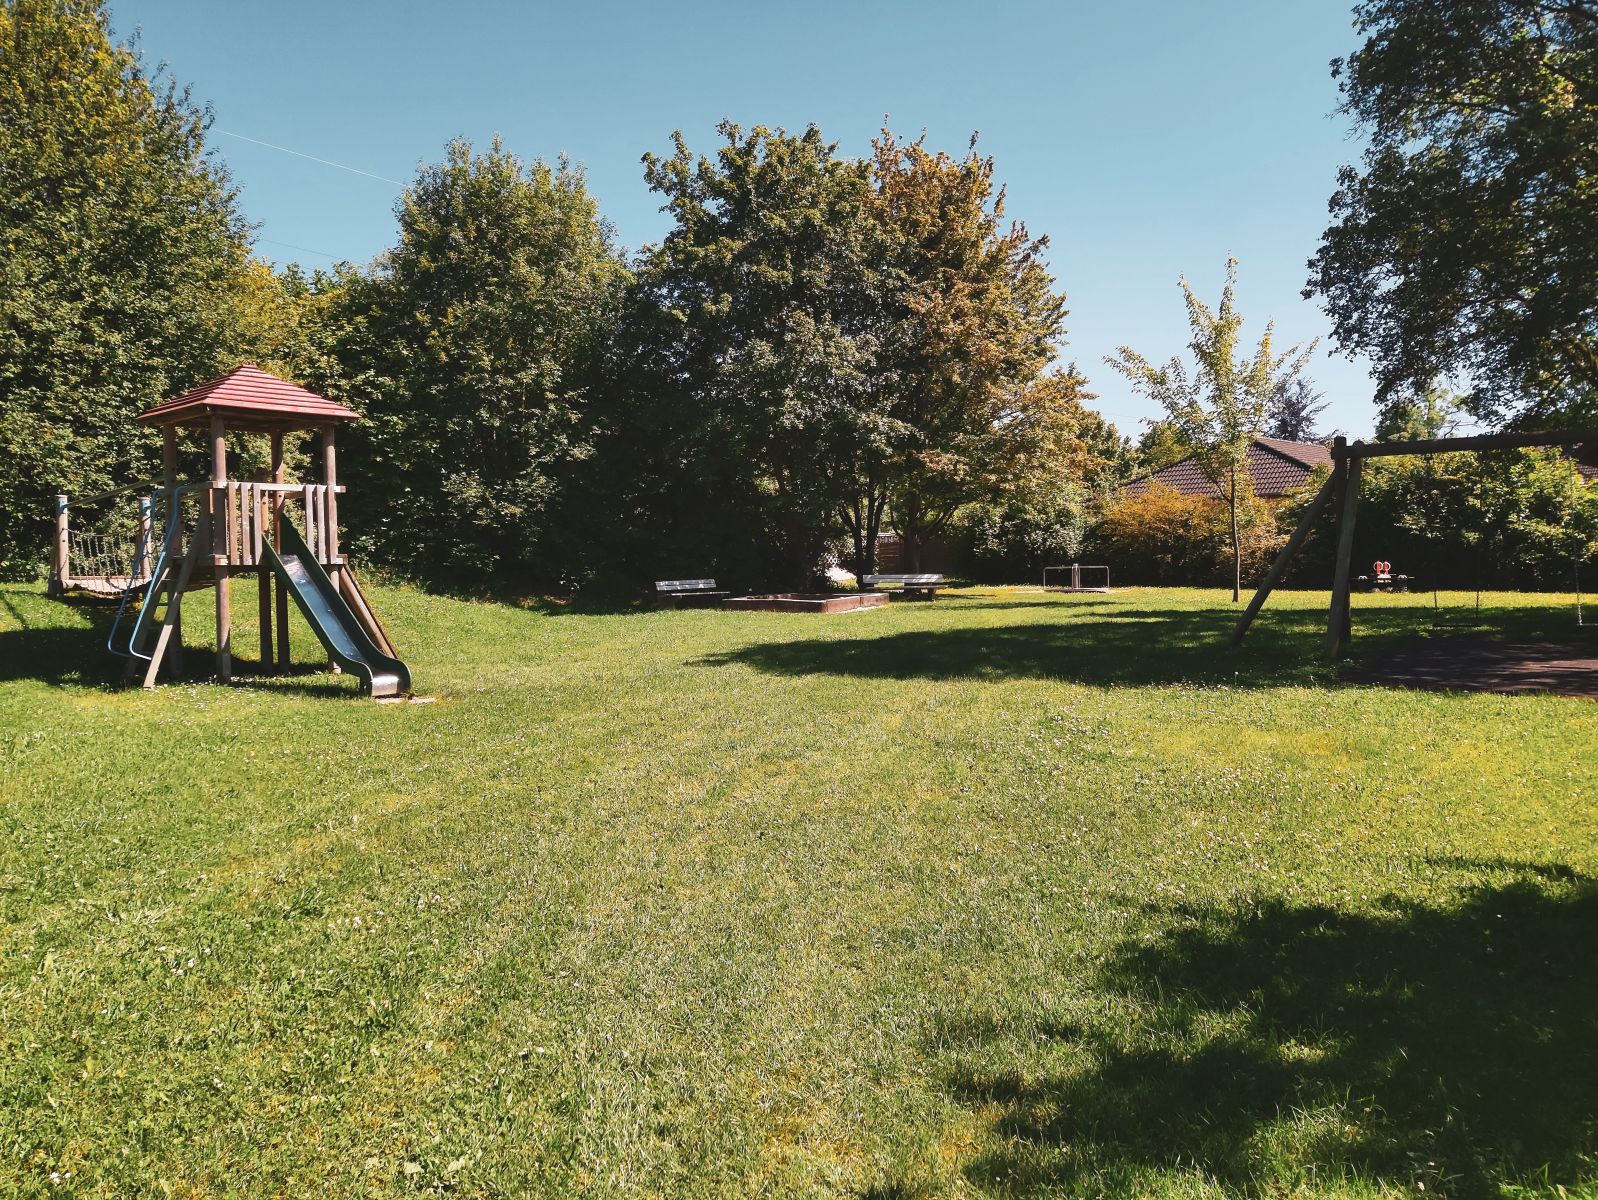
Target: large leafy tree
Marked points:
121	255
1467	242
1161	445
1421	414
1220	405
975	320
759	337
824	340
471	350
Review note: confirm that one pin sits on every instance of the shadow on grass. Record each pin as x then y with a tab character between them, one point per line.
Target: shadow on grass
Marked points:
54	653
1135	647
77	655
1451	1045
986	604
1078	642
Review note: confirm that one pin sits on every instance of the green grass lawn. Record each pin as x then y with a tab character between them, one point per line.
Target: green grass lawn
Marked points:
1009	894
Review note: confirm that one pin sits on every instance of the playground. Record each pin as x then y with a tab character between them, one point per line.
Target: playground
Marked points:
1012	893
665	603
194	534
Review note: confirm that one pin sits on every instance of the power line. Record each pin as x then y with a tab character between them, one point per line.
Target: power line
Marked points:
304	249
326	162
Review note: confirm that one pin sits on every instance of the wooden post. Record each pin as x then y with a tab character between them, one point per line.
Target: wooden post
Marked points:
277	544
1279	567
1339	619
219	522
146	563
330	478
62	572
170	625
169	455
330	513
260	531
169	476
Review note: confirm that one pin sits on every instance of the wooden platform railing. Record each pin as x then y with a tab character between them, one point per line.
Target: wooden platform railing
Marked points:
248	513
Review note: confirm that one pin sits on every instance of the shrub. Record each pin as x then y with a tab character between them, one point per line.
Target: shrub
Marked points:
1516	518
1160	535
1012	540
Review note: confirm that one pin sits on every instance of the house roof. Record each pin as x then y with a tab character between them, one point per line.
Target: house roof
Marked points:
1278	468
249	398
1586	460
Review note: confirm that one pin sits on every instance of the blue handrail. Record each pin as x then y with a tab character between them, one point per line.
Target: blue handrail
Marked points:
174	530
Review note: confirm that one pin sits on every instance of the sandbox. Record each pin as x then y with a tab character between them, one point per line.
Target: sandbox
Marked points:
809	602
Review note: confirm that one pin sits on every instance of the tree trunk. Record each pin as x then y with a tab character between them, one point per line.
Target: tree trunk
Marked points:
804	563
855	518
863	517
909	525
1237	545
876	505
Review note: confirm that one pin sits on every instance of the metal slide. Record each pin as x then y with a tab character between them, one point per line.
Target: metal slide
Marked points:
341	635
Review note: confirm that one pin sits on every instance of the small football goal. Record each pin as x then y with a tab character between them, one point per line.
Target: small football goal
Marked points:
1078	577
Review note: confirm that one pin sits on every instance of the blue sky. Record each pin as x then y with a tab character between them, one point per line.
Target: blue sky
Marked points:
1146	138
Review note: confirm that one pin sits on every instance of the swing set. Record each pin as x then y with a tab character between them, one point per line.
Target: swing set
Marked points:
1341	492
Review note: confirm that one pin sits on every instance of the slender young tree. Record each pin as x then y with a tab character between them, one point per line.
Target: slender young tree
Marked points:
1219	406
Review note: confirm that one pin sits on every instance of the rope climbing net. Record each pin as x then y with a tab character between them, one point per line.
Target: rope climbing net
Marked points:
105	556
107	549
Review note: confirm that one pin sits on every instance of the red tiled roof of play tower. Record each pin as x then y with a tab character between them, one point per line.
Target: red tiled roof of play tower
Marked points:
249	398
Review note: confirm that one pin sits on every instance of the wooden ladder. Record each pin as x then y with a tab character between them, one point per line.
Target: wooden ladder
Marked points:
173	588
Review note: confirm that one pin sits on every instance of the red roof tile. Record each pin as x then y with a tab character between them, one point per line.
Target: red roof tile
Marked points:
249	397
1278	468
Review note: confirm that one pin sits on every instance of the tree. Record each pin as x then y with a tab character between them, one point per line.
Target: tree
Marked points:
1051	458
1113	456
1420	414
470	350
762	332
1294	406
980	321
1465	244
1158	535
121	249
1219	407
1513	518
1161	445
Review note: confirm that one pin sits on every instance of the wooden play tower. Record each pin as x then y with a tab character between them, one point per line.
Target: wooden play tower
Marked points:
224	528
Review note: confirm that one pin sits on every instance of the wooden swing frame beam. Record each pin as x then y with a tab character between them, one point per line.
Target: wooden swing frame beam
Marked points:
1342	489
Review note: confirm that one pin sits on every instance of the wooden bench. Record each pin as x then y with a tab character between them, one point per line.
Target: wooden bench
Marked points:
689	591
920	586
